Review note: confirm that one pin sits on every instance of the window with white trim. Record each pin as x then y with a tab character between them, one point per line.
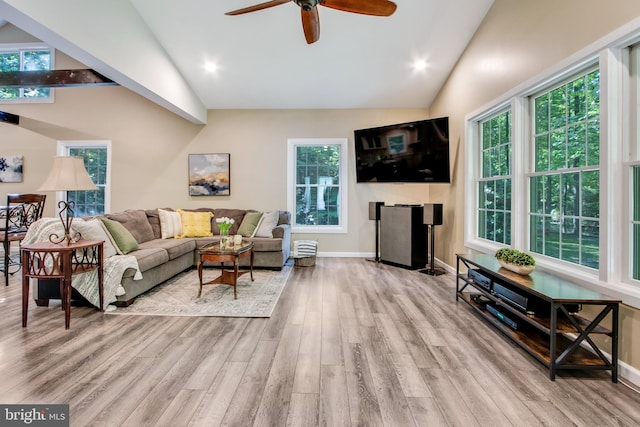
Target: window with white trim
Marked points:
633	163
25	57
97	161
317	185
494	183
564	207
575	167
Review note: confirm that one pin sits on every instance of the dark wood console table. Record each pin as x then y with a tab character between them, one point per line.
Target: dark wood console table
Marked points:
46	260
551	330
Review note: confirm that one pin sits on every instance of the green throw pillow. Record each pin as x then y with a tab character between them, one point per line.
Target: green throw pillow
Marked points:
249	223
123	238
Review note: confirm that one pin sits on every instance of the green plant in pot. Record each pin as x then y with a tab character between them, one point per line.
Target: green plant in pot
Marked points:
515	260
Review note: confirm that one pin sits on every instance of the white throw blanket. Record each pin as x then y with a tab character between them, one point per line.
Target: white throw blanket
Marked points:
87	283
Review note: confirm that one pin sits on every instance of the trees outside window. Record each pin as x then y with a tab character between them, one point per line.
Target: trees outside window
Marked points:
317	182
564	206
26	58
494	184
96	155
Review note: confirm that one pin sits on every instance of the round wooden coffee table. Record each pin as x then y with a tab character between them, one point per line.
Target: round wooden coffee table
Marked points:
214	253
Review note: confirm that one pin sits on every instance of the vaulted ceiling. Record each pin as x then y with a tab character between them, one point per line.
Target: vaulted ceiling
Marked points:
166	50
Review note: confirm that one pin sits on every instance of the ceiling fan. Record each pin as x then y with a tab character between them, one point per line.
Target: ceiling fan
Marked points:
309	10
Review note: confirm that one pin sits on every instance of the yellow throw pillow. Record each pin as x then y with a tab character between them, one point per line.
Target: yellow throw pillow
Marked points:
195	224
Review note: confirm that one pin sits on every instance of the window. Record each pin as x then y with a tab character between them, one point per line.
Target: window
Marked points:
633	162
575	167
564	205
25	58
494	184
635	224
317	177
97	155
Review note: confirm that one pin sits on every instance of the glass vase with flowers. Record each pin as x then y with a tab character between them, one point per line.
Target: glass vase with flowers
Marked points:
224	224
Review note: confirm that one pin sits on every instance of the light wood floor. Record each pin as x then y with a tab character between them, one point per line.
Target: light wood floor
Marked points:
350	342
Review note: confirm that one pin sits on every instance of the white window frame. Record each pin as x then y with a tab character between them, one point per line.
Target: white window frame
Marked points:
478	178
18	47
63	150
530	171
631	148
292	144
611	55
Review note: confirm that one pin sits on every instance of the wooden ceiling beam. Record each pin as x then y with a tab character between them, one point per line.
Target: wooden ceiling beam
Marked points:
53	78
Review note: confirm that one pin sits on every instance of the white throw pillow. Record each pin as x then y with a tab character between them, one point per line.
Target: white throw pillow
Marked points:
268	222
93	229
170	224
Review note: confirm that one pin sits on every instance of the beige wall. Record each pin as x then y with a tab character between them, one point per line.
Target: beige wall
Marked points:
150	148
516	41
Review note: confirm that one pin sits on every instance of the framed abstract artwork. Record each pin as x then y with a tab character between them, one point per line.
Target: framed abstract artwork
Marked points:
10	168
209	174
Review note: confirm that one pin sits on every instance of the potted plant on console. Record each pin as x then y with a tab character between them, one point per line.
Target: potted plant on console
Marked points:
516	261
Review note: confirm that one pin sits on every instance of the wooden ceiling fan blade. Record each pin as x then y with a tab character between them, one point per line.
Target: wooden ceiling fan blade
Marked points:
364	7
311	25
257	7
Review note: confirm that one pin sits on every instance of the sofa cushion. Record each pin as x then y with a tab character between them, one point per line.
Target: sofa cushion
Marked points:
236	214
195	224
267	224
170	224
149	258
124	240
136	222
249	224
266	244
174	247
154	221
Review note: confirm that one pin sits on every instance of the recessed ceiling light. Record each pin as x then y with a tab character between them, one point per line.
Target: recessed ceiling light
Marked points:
420	65
211	67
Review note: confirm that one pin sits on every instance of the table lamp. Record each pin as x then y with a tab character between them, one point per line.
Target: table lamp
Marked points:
67	174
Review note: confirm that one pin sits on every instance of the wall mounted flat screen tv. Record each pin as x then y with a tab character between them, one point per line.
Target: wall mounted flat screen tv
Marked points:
405	152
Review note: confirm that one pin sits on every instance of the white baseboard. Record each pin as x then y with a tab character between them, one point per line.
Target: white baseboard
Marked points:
628	373
346	254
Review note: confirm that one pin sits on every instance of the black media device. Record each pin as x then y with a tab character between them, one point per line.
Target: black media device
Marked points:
480	299
513	298
502	317
480	278
405	152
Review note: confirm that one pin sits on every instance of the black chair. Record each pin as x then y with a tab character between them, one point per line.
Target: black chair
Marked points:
21	211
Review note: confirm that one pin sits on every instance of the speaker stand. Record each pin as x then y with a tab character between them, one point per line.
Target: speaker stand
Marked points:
431	269
377	257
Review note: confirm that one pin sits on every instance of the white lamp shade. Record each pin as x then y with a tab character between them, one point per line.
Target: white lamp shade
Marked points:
68	174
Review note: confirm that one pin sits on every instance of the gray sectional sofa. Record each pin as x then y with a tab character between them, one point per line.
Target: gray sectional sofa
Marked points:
160	259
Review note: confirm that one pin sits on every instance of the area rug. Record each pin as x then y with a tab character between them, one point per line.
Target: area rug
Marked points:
178	296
